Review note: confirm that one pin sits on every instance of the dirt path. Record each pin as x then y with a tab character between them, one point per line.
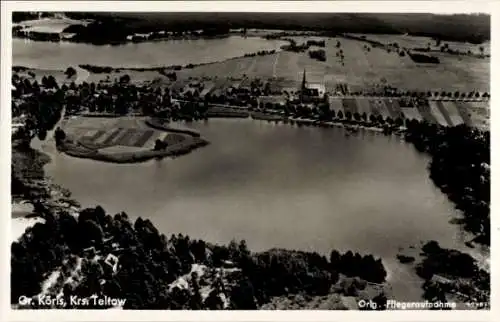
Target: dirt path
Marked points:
48	145
276	63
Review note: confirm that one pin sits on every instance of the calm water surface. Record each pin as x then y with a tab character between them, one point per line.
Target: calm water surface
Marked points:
280	186
49	55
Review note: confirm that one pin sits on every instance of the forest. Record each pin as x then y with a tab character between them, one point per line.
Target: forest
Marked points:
459	27
448	271
149	261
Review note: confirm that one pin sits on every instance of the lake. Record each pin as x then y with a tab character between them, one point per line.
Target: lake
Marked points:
50	55
280	186
272	185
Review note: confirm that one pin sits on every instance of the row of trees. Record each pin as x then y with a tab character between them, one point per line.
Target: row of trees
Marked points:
261	53
323	113
149	262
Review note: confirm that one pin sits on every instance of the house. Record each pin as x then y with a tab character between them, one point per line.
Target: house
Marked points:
441	280
316	89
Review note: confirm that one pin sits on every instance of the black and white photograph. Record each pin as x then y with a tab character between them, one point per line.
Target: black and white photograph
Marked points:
247	160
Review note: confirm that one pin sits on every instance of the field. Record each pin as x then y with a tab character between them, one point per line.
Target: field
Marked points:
123	140
116	134
406	41
448	113
360	69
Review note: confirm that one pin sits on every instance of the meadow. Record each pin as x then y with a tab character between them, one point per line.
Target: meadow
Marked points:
407	41
360	68
126	133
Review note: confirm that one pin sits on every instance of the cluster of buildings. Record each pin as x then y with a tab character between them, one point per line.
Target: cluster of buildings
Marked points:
310	92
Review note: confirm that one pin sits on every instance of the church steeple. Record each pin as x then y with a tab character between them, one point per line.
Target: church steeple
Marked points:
304	80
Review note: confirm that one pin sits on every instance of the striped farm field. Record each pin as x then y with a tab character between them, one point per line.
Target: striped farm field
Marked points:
444	111
144	137
453	113
426	113
126	138
336	104
109	139
393	108
438	114
349	105
379	108
412	113
126	132
463	110
93	135
136	136
363	105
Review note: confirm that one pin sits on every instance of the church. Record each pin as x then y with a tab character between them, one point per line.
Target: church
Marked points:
310	92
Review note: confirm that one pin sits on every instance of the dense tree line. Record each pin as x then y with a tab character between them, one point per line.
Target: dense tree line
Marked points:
460	168
458	272
148	262
317	54
460	27
446	262
20	16
421	58
41	108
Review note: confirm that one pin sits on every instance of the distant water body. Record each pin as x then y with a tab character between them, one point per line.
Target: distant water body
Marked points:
281	186
53	55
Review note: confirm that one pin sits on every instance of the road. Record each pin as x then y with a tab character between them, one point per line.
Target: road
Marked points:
48	145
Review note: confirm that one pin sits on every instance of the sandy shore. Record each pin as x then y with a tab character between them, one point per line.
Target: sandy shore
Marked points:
19	223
